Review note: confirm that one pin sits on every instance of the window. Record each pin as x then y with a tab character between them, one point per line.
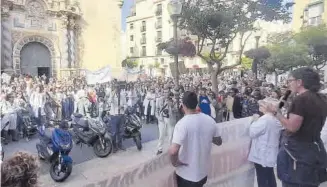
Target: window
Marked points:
143	39
131	38
131	26
315	10
162	60
143	27
159	36
159	10
315	21
143	51
159	23
131	50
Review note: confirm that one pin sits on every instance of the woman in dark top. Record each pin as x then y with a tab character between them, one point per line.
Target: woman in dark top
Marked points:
302	159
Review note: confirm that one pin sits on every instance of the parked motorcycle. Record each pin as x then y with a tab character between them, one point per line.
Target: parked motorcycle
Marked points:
55	146
131	123
91	132
29	124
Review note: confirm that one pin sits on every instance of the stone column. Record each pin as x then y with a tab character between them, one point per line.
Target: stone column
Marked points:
78	45
64	43
71	41
6	42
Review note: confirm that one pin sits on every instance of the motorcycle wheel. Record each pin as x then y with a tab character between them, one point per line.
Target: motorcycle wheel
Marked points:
99	152
66	170
39	153
137	140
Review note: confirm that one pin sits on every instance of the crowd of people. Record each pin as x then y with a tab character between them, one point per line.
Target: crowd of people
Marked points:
157	99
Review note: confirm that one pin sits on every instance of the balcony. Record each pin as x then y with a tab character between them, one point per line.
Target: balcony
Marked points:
158	12
143	41
143	29
158	39
158	25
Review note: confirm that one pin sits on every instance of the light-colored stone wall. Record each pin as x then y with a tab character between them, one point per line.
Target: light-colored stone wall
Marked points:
101	35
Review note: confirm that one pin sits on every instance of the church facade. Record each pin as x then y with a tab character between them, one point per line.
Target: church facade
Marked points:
59	37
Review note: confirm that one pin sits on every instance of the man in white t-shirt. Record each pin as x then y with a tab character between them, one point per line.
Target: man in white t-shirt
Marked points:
190	151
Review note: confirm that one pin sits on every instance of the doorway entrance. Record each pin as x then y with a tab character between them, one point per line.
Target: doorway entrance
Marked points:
43	71
35	59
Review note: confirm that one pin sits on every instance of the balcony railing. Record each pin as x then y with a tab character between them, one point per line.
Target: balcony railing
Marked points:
158	12
143	41
158	25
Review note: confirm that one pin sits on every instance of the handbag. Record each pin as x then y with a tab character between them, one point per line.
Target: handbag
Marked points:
302	163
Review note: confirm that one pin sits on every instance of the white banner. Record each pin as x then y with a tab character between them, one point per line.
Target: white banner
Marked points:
102	75
229	164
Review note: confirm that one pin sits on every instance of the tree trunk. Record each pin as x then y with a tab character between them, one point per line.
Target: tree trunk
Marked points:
214	82
276	78
214	73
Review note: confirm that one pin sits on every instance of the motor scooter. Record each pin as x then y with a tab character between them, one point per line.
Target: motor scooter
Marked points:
54	146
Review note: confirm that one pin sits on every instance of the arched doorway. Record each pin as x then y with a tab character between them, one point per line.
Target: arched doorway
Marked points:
43	49
35	59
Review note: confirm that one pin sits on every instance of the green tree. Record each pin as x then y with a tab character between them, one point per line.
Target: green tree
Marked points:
315	38
129	63
246	63
185	47
284	57
156	65
258	55
220	22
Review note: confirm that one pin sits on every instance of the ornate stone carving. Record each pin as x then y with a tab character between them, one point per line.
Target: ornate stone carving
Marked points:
36	13
16	35
35	9
18	23
5	8
6	43
64	21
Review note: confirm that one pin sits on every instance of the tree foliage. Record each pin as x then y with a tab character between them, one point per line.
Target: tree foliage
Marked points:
185	47
260	53
129	63
157	65
246	63
221	21
315	38
285	57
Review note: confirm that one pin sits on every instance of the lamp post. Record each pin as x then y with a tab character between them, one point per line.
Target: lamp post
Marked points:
174	10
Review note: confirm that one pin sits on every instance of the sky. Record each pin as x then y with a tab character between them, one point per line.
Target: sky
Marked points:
125	10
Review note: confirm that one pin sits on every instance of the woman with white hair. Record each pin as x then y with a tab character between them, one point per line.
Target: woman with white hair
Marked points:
265	132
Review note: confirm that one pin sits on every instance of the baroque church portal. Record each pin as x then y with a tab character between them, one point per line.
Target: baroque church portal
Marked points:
47	37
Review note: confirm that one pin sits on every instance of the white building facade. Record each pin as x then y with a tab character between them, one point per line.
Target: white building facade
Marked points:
149	24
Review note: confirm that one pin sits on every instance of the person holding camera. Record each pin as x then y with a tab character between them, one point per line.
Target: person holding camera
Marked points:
164	113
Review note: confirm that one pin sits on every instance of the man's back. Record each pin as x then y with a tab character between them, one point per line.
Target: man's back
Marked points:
194	132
